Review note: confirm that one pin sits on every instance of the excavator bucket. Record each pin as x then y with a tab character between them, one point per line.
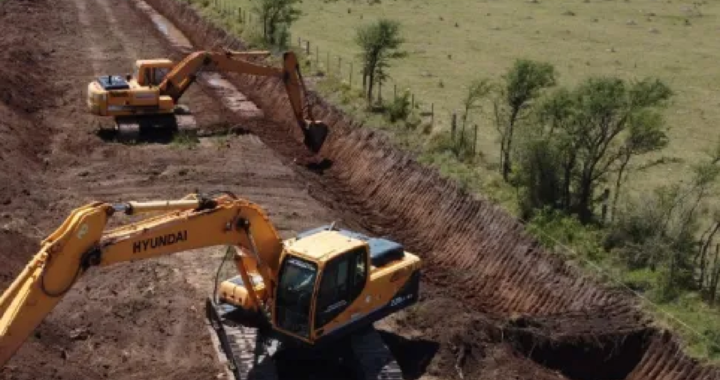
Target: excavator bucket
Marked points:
315	135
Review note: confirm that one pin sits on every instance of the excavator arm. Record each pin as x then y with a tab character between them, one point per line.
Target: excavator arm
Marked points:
184	74
82	242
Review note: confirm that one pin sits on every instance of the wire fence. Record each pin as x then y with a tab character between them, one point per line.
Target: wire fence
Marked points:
323	62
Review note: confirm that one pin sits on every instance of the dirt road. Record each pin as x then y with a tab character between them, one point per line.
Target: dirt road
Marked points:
494	304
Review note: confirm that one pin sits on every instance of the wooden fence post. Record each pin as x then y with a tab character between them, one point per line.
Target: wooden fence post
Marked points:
364	80
605	198
432	113
453	126
307	47
339	73
475	140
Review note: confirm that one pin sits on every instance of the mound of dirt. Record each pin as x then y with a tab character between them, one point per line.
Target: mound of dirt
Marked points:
25	89
106	327
15	251
468	344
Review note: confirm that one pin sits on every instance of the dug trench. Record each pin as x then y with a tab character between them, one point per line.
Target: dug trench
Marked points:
495	300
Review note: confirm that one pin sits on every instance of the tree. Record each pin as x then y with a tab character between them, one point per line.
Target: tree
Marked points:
522	84
379	43
477	90
539	176
645	135
597	129
276	17
660	231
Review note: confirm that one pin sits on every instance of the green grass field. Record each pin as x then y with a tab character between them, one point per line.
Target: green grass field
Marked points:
455	41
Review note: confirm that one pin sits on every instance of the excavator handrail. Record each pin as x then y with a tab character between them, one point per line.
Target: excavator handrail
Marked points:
82	242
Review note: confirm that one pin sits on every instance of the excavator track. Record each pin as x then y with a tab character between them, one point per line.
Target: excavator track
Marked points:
372	357
134	128
247	355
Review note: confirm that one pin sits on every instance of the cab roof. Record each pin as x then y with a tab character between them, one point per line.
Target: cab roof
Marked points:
154	62
324	245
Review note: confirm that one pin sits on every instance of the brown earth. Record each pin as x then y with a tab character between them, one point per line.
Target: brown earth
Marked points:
494	306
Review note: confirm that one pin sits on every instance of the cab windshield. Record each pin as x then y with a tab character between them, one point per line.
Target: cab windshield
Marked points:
295	290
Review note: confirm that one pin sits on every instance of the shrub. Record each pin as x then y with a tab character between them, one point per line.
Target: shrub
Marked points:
399	108
553	228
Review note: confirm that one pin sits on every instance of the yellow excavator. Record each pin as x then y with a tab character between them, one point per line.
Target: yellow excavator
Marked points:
150	97
313	290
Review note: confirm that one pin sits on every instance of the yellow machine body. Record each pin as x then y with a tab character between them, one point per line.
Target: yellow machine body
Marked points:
137	94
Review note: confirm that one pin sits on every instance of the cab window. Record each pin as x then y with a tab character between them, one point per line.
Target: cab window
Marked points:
343	280
155	75
159	75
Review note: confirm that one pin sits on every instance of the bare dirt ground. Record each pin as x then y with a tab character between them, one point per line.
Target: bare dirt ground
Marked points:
495	305
142	320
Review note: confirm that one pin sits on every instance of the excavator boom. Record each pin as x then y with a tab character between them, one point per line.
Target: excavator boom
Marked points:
82	242
184	74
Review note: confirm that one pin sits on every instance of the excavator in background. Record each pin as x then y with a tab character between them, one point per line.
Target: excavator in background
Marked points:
150	97
319	288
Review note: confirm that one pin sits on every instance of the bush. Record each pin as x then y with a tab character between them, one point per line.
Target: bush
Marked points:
281	37
658	232
538	175
713	337
553	228
399	108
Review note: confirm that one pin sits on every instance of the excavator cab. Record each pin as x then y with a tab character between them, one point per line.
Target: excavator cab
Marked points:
152	72
331	282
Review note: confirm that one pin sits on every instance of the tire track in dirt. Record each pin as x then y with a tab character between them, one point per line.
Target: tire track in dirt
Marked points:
118	33
503	270
94	48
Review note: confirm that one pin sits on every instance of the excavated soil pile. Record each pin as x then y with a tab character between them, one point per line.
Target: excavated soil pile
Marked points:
473	250
23	92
